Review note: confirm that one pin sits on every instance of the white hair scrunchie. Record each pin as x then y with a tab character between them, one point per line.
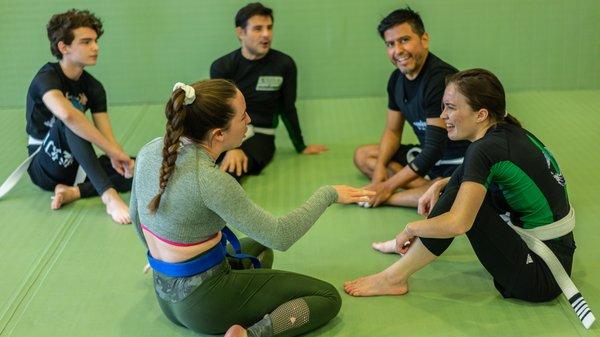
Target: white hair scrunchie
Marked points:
190	93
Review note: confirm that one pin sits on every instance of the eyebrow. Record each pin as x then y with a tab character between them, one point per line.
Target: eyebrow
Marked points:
400	38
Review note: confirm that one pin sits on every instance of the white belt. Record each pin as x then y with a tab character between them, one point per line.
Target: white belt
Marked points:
251	130
14	177
34	141
533	238
17	174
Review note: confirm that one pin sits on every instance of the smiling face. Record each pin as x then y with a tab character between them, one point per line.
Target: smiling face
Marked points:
462	122
233	136
406	49
256	37
84	49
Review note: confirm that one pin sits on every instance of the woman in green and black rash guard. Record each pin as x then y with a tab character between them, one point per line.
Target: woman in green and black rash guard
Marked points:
506	171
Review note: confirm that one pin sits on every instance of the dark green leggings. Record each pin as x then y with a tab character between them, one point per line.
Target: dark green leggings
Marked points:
232	294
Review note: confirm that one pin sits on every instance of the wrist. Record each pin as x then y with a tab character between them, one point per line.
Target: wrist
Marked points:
409	230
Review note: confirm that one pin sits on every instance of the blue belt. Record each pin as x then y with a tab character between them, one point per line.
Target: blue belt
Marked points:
203	262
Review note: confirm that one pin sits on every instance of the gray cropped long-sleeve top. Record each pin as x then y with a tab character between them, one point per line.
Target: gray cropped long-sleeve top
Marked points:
200	199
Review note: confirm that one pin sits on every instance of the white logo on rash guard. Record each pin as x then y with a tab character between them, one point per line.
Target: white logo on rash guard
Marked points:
421	125
49	123
560	179
269	83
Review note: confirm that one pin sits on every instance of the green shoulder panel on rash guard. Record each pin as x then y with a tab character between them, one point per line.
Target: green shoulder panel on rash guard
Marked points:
521	194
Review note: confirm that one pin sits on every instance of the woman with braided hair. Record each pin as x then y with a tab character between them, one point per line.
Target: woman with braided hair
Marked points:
180	203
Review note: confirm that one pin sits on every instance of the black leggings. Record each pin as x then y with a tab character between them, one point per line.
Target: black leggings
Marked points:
59	158
231	294
517	271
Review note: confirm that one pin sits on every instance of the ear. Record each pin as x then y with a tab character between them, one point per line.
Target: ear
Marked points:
216	134
63	48
239	32
482	115
425	40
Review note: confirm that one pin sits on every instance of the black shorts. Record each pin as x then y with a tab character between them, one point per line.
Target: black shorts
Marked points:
407	152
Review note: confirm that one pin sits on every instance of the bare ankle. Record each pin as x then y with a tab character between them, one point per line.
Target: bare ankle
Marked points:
110	195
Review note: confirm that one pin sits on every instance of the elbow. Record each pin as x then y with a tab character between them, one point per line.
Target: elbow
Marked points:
460	228
67	117
282	246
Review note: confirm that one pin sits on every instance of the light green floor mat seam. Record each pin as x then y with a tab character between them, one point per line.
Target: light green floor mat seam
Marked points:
130	130
38	271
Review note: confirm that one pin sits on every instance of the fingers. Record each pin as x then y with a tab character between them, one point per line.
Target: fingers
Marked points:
422	207
238	168
245	164
315	149
358	200
405	247
433	201
224	165
119	168
362	193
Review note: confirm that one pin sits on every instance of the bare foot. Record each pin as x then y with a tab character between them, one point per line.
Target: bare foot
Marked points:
386	247
116	207
64	194
236	331
375	285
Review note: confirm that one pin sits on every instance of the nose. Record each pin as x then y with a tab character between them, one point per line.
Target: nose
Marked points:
444	114
398	48
267	32
248	119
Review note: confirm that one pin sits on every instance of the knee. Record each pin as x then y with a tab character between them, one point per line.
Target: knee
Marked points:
266	258
360	156
333	298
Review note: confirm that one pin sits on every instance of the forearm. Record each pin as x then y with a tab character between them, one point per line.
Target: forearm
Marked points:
278	232
102	123
402	178
389	144
292	124
440	227
82	127
76	121
292	226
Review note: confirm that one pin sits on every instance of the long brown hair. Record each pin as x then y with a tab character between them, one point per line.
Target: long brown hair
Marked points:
483	90
211	109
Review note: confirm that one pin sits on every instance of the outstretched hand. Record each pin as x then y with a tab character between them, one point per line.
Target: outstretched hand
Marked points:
350	195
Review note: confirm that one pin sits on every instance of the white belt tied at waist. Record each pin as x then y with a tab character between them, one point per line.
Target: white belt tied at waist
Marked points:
251	130
17	174
533	238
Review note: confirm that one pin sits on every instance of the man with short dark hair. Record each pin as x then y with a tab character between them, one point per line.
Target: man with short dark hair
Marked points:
415	91
267	78
59	133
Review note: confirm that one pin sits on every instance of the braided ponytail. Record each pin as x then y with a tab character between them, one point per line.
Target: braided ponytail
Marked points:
192	111
176	113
